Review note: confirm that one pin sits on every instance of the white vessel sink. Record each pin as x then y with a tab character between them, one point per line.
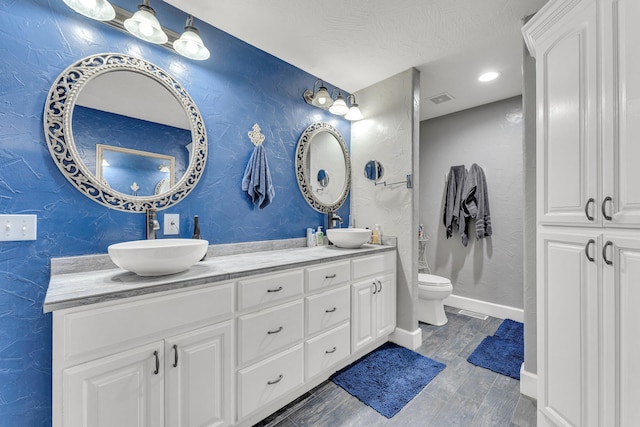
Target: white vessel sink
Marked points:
158	257
350	238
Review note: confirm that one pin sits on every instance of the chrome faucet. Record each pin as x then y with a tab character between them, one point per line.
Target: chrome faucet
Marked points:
152	224
333	217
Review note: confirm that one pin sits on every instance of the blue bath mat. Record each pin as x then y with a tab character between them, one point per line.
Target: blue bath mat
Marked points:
388	378
503	352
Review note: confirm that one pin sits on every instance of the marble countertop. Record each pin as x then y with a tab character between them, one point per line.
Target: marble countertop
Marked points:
72	289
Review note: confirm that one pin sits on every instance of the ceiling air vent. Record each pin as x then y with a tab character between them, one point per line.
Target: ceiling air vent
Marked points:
439	99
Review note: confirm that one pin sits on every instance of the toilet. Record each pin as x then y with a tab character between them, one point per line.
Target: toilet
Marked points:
432	290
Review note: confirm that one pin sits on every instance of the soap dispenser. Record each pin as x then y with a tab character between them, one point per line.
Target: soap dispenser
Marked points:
196	232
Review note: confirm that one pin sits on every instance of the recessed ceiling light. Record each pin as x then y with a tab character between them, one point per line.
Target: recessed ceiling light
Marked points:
487	77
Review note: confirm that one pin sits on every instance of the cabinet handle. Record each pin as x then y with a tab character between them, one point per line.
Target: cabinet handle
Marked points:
155	353
333	350
375	288
278	289
604	208
604	252
331	310
380	283
275	381
275	331
175	355
586	250
586	208
331	276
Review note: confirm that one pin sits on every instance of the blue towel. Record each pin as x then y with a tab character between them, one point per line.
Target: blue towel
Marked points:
257	179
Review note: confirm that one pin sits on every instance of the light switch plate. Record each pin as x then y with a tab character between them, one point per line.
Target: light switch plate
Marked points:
171	224
18	227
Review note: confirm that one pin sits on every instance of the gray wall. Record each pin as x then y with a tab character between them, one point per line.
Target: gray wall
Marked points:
529	143
490	269
389	133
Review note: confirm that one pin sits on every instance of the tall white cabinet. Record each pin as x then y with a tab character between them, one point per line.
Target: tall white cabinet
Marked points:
588	209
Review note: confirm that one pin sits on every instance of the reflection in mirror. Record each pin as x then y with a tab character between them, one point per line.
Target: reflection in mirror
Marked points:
373	170
323	179
323	167
121	167
131	104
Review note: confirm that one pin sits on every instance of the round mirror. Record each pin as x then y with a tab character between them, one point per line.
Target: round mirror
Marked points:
373	170
323	167
125	133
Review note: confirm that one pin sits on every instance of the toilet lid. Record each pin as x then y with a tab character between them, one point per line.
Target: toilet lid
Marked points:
433	279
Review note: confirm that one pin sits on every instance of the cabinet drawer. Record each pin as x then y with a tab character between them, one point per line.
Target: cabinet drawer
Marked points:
328	309
367	266
261	383
327	349
94	332
327	275
269	330
267	289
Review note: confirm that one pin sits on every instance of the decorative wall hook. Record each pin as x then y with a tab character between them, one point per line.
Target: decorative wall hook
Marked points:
256	137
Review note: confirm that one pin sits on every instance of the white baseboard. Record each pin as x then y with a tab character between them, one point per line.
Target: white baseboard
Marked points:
488	308
528	383
407	339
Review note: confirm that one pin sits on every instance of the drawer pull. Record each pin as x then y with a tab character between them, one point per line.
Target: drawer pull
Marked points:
175	355
604	252
155	353
275	331
586	250
333	350
278	289
331	276
586	209
331	310
275	381
375	288
604	208
380	283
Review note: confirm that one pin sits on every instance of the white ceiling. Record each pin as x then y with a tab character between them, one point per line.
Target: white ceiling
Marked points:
353	44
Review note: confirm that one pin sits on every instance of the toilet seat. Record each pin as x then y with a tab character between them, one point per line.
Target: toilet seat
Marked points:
432	280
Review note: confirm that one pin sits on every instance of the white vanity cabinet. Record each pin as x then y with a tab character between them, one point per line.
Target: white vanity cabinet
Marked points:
150	361
373	299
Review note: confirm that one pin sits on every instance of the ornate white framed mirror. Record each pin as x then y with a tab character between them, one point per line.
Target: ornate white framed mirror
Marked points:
131	105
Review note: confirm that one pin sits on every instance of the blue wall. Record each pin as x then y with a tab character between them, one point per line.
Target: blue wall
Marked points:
239	86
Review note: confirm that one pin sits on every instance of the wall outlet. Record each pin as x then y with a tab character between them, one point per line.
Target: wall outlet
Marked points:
171	224
18	227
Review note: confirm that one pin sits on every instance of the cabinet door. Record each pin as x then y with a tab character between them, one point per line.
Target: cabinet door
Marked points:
385	301
621	346
622	86
568	325
567	121
362	314
124	390
198	377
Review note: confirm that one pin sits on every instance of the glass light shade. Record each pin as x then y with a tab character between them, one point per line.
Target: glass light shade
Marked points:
322	99
190	45
487	77
339	106
354	113
100	10
144	25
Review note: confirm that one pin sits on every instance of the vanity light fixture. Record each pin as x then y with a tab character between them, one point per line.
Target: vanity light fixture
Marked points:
321	98
190	44
354	112
487	77
100	10
144	25
339	106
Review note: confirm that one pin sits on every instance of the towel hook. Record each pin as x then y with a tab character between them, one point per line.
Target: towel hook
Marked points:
256	137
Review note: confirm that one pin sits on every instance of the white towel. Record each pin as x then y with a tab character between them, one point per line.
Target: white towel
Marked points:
257	179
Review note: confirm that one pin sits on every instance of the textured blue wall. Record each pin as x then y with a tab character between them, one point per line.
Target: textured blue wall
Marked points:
237	87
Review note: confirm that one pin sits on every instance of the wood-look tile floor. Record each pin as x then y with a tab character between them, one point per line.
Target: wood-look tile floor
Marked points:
461	395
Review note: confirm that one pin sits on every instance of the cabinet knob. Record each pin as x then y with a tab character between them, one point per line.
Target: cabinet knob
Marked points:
586	249
586	208
604	208
275	381
604	252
